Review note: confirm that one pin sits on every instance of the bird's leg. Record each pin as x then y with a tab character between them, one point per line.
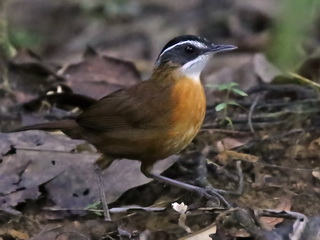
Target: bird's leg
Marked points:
103	199
102	163
146	169
209	193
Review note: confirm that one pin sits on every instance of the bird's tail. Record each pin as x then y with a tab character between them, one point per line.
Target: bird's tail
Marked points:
62	125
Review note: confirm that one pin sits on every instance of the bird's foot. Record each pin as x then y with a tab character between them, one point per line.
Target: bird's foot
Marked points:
213	194
209	193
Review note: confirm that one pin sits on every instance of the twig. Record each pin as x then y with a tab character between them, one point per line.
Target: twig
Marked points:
112	210
239	191
9	210
221	170
301	91
68	232
298	226
251	113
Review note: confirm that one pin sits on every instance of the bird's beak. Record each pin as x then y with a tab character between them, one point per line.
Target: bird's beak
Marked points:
220	48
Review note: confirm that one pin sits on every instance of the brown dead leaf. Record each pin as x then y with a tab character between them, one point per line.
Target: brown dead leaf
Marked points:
97	76
18	234
235	222
40	140
264	69
69	178
230	143
5	145
302	151
23	172
270	222
82	230
17	169
12	199
314	148
240	71
203	234
82	187
222	140
228	156
10	233
29	74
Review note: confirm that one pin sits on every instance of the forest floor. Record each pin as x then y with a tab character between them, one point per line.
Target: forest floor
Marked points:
263	148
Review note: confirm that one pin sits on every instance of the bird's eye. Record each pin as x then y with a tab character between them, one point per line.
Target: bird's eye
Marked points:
189	49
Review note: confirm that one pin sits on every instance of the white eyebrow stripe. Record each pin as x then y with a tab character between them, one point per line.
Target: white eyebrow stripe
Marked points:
194	43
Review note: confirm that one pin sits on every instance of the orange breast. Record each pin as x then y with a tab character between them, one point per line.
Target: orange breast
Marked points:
189	104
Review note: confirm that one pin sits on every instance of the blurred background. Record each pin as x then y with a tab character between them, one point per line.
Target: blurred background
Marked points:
137	30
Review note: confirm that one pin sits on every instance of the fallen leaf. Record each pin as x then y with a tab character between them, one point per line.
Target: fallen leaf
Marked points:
43	158
313	148
230	143
235	222
264	69
18	234
270	222
14	198
227	156
96	76
203	234
29	74
77	230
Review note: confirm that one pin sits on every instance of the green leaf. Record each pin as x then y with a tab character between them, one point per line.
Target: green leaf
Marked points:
221	106
231	102
222	87
94	205
230	123
239	92
233	84
227	86
212	86
234	104
98	213
219	87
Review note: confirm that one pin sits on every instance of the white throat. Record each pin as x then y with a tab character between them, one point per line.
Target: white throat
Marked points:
194	68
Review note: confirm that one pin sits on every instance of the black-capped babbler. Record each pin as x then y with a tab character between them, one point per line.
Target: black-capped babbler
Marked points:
152	120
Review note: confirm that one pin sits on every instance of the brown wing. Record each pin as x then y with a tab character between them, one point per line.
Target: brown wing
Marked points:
137	107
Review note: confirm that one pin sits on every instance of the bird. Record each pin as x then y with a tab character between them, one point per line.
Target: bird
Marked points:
153	119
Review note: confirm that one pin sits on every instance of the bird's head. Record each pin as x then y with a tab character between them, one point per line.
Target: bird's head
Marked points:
189	54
